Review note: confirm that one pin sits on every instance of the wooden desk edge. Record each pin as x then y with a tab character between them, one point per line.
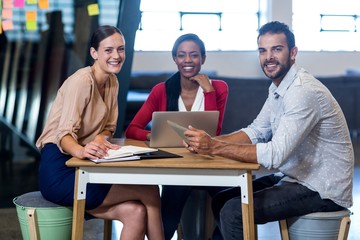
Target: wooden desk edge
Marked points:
189	160
175	163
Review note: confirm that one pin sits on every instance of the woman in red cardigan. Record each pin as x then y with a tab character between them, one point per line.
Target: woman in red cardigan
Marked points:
186	90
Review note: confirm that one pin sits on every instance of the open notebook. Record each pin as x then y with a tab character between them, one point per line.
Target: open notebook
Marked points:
130	152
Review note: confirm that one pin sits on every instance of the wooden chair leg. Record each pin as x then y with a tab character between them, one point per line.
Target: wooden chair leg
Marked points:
344	228
284	230
107	229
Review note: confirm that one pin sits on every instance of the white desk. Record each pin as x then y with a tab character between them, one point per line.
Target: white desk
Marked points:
192	169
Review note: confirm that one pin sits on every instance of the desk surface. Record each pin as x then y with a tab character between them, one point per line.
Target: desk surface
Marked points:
189	160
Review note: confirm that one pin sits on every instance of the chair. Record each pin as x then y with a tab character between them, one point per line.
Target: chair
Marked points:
197	221
319	225
41	219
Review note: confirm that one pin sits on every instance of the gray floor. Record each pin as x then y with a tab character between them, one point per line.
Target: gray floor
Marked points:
18	175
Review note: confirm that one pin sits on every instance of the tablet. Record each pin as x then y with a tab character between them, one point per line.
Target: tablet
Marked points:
162	134
178	129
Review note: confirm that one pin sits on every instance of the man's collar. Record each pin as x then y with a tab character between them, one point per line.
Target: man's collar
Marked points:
285	82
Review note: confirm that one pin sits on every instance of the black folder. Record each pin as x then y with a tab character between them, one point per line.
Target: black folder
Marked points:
158	154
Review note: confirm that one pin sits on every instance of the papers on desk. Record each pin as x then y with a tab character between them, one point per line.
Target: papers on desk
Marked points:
128	150
119	159
125	153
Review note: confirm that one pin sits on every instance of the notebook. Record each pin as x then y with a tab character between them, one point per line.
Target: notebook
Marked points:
162	134
130	152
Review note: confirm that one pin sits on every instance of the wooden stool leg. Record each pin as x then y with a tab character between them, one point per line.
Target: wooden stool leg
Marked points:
284	230
344	228
31	213
107	229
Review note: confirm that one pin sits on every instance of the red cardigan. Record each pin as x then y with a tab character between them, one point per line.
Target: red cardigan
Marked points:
156	101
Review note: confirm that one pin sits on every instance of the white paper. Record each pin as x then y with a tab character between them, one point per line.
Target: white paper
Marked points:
128	150
119	159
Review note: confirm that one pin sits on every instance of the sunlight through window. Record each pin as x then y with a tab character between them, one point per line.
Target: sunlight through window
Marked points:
223	25
333	26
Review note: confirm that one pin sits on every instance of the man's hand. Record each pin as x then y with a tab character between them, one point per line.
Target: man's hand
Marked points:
240	148
199	141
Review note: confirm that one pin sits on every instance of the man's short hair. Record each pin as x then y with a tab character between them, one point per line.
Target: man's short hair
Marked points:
276	27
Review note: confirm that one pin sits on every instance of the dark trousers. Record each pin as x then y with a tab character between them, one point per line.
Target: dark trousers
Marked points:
274	200
173	199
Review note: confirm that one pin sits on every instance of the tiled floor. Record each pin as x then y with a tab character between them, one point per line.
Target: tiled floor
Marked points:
18	175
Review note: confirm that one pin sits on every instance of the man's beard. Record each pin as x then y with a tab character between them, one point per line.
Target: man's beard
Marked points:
284	68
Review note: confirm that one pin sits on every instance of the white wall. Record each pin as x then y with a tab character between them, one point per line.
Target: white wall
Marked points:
245	64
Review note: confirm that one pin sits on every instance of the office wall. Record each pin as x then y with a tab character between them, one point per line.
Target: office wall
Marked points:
245	64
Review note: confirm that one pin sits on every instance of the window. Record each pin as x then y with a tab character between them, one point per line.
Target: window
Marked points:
331	26
222	25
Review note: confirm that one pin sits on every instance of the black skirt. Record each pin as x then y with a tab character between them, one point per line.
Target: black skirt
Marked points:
56	180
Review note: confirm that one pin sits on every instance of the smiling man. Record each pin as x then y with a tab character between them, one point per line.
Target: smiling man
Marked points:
301	131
